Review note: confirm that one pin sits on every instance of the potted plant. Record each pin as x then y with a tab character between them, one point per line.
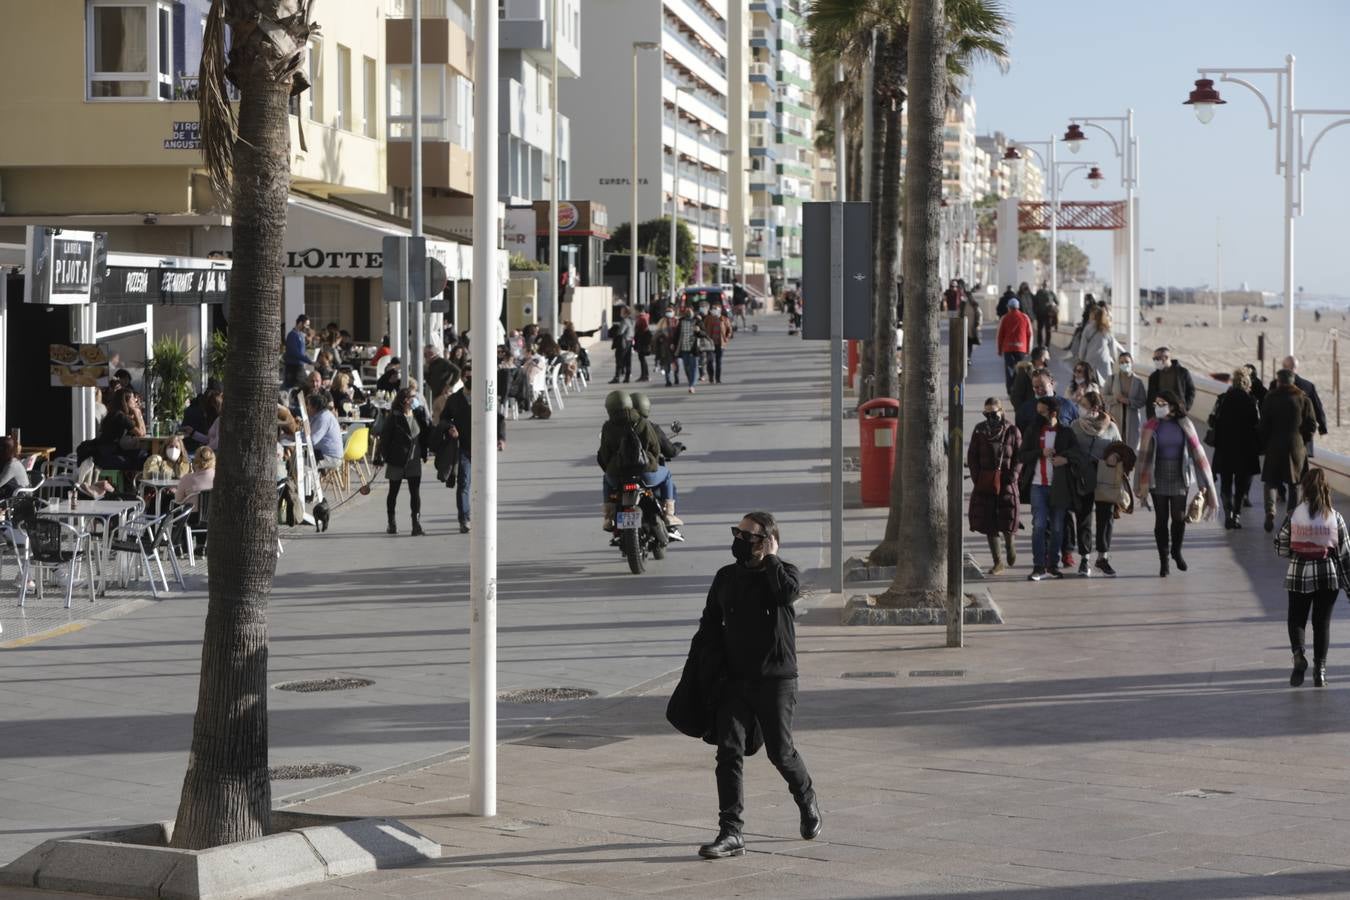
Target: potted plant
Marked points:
169	374
216	354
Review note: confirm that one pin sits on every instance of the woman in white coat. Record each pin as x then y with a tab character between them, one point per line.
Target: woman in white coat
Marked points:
1100	347
1126	397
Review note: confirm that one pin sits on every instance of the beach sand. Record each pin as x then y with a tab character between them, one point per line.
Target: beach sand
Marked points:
1192	334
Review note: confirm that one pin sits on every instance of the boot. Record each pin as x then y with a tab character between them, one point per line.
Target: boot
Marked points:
1010	548
1178	533
417	525
996	548
1319	673
811	820
1162	562
393	526
1300	666
609	516
727	843
669	508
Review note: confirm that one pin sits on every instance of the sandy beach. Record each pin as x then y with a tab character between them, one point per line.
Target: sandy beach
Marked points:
1195	339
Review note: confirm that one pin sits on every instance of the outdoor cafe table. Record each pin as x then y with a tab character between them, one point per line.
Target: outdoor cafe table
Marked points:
45	452
105	510
160	487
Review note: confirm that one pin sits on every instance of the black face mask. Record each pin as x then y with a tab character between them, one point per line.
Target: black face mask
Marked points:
992	417
741	549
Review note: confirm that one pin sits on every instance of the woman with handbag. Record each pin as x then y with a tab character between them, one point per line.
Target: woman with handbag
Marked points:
1235	435
404	445
1096	432
1169	451
1314	540
995	469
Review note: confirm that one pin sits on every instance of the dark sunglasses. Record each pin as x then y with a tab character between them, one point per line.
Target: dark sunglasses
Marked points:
752	536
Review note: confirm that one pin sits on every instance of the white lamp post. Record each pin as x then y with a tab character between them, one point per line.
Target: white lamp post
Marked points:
1127	151
553	313
1293	154
1047	160
675	196
633	223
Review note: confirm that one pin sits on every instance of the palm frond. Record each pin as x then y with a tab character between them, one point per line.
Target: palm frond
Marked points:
219	126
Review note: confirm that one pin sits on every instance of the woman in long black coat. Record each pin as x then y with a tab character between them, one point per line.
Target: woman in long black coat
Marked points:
1236	423
993	449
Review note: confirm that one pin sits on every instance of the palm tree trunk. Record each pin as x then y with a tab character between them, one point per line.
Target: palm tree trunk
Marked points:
884	323
921	571
227	794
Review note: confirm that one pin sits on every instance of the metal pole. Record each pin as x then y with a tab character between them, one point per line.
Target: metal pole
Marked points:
1132	227
486	308
554	311
674	196
1291	175
633	222
837	356
956	418
1218	269
1054	221
698	231
416	365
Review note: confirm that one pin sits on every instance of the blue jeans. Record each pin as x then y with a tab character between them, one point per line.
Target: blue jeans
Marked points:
462	487
1047	526
690	361
661	482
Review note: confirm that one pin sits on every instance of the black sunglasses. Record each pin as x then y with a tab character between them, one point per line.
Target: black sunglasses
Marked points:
753	536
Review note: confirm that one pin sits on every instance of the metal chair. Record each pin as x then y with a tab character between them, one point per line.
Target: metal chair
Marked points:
203	523
137	541
51	546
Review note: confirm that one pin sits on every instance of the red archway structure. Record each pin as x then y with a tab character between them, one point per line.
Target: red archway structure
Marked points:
1074	215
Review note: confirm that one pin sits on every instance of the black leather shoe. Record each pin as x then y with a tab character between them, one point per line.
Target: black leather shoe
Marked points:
1319	673
728	843
1181	563
811	820
1300	666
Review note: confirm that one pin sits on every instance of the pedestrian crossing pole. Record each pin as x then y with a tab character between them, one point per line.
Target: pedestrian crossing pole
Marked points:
837	350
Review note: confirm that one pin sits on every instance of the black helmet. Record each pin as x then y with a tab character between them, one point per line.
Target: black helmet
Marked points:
617	402
642	403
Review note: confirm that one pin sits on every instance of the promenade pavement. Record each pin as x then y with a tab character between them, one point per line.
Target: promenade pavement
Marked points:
1118	738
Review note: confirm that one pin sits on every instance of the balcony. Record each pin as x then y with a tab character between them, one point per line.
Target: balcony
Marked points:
444	42
763	73
445	166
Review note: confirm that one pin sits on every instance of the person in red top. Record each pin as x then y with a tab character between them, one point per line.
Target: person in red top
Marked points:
1048	447
1014	339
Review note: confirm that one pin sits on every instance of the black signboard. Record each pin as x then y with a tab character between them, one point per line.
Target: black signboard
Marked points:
60	265
172	286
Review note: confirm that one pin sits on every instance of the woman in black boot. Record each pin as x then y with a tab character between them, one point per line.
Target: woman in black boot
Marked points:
404	447
1169	451
1315	541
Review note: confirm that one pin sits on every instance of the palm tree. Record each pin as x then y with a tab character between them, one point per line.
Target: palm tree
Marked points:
227	794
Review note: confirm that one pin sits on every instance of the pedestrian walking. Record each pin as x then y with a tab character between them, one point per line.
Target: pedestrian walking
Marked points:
1235	431
1095	432
1307	387
621	341
1100	349
1169	454
642	344
664	343
1084	380
296	358
749	617
1013	339
974	316
1022	389
995	470
1002	308
458	416
686	344
1047	446
1043	385
403	443
1287	426
1169	375
718	329
1314	540
1046	307
1128	396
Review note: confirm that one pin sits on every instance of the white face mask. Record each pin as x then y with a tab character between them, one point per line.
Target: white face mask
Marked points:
1160	364
716	313
171	454
1127	368
1162	410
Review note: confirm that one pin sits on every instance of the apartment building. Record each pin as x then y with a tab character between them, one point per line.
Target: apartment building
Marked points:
1021	178
783	164
685	96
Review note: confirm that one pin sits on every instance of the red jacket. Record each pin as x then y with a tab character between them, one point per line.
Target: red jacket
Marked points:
1014	332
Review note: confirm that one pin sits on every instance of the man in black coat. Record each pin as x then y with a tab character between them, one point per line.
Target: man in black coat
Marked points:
750	609
458	415
1169	375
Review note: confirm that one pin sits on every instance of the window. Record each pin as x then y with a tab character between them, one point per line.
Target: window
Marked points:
315	93
119	39
435	118
368	81
344	72
323	300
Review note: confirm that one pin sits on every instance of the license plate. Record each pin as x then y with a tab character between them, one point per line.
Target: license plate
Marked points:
630	521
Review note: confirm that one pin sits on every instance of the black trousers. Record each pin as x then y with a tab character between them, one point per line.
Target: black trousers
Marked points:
1044	329
1169	520
414	496
1102	513
1320	604
1234	489
642	361
771	702
623	362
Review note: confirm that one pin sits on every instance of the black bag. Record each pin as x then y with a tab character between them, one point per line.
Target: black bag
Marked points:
632	453
540	408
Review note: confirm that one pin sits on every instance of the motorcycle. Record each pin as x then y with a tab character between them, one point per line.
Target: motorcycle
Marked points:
640	527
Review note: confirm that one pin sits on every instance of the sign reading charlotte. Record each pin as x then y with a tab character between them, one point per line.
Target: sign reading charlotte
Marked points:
186	136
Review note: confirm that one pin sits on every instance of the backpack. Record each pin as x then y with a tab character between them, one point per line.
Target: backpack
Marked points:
632	453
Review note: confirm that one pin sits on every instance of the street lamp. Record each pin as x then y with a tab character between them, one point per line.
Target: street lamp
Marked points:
1126	144
1050	168
1291	159
1057	185
633	226
1095	178
675	192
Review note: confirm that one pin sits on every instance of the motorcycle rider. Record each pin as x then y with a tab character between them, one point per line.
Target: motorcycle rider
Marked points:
622	418
642	404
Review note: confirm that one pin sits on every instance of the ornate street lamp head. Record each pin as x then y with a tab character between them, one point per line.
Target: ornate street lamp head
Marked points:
1074	137
1095	177
1011	153
1204	99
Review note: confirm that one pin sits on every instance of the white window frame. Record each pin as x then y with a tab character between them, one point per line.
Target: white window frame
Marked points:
437	118
151	76
369	93
343	119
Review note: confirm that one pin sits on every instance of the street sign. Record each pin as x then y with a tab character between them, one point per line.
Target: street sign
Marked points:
404	273
816	268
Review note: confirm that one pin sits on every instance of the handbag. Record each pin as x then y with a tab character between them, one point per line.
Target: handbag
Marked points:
1195	510
989	482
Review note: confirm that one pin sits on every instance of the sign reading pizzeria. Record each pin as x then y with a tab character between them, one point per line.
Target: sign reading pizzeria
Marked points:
60	265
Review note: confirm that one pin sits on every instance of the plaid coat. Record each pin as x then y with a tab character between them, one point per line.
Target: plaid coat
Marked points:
1308	575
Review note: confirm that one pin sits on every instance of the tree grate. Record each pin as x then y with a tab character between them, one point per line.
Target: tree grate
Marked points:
323	684
545	695
299	771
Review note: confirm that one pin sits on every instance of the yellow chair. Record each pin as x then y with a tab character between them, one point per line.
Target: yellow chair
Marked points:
354	455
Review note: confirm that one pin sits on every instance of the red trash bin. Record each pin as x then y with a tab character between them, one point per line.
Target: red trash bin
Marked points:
878	424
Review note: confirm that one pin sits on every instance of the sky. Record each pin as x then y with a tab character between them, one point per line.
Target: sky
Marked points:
1198	183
